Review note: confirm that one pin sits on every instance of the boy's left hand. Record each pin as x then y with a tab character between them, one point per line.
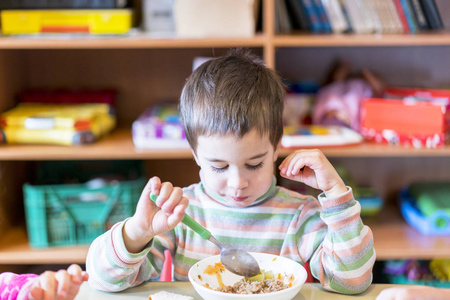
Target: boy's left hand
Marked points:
63	284
312	168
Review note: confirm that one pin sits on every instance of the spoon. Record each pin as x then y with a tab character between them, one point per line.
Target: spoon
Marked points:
236	261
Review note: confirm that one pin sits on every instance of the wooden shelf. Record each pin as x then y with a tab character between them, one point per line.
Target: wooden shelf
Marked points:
394	239
14	249
355	40
133	41
119	145
140	40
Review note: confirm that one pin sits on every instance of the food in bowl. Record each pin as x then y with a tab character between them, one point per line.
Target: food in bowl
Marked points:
262	283
212	281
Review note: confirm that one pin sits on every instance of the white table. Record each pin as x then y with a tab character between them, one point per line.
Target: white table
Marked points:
310	291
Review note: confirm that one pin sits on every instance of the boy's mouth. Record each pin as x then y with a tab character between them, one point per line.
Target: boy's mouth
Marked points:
239	199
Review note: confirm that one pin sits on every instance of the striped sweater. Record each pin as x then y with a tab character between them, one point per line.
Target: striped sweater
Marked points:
330	235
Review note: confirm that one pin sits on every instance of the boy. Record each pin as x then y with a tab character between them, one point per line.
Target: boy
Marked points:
232	108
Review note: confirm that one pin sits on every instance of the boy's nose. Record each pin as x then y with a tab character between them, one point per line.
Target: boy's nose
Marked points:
237	181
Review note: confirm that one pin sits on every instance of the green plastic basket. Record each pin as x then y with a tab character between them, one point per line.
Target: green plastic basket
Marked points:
74	214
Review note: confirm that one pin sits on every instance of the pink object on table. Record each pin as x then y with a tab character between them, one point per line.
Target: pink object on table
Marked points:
166	272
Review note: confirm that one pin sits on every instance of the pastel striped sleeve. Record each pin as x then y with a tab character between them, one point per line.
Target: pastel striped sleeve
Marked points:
343	262
16	287
112	268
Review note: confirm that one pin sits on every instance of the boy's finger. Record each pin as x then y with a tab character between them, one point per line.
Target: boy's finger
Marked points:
75	272
155	185
174	200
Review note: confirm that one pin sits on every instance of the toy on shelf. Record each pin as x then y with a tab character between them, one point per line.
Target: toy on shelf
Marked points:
409	271
425	207
159	127
319	136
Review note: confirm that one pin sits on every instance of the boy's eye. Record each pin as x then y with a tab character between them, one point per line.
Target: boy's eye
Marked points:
219	170
254	167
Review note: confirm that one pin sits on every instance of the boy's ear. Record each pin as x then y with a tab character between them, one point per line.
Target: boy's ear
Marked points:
276	152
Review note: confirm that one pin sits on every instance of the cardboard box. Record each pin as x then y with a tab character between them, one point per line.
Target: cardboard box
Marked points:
214	18
411	122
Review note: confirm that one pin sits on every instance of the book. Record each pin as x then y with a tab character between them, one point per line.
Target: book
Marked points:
372	9
319	136
432	14
443	7
297	15
312	16
394	16
335	15
419	16
356	17
402	15
323	18
409	15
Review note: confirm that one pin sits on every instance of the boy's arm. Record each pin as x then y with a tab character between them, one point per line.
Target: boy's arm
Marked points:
112	268
14	286
343	262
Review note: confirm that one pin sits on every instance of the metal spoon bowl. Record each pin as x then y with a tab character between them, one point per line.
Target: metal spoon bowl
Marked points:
236	261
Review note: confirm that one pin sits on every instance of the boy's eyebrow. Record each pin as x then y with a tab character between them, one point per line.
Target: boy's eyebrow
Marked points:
251	158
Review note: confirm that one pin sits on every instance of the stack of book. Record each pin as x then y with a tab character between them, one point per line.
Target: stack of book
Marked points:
362	16
66	16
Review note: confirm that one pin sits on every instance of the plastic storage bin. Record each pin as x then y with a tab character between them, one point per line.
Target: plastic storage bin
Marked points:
76	213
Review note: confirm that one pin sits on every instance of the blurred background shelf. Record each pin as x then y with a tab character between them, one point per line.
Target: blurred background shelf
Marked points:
394	239
119	145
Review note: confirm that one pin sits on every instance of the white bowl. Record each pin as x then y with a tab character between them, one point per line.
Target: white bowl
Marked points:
268	262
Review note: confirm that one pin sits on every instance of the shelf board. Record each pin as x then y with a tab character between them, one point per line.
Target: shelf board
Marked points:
354	40
119	145
394	239
136	40
14	249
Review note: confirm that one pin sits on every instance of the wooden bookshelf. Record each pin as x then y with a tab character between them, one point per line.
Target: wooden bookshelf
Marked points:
146	69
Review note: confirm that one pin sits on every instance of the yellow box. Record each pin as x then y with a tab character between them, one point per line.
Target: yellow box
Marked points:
98	21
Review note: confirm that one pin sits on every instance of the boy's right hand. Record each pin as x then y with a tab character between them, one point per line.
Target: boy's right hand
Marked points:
151	219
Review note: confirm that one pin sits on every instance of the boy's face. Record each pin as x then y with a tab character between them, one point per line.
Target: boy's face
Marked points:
238	170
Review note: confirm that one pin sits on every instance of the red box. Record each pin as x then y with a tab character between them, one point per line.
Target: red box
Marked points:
412	117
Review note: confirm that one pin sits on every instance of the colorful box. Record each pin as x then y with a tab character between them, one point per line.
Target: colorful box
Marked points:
94	21
410	117
159	127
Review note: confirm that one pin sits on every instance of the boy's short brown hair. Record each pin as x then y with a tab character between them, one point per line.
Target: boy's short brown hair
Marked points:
233	94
